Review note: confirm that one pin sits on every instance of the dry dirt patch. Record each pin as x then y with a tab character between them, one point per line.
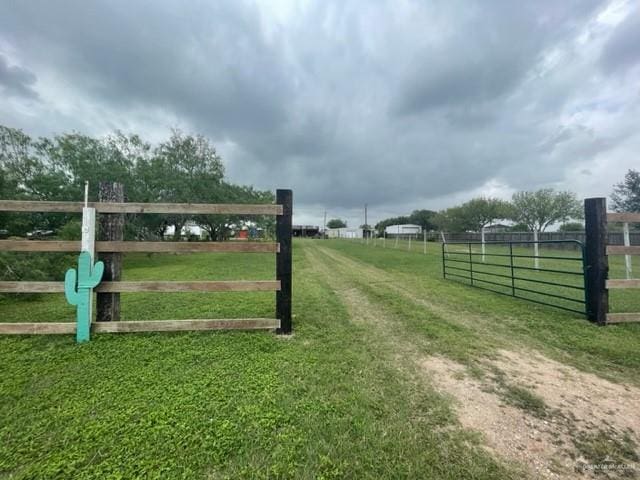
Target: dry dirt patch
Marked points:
586	415
508	431
585	397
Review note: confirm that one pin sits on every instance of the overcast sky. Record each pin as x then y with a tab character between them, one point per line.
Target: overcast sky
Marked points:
399	104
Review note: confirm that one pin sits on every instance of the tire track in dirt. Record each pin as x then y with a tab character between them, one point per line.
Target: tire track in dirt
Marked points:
581	408
377	275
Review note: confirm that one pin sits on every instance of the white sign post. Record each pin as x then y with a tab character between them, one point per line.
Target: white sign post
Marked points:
536	250
88	243
627	243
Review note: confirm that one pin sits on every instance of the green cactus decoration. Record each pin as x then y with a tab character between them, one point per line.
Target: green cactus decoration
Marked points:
78	285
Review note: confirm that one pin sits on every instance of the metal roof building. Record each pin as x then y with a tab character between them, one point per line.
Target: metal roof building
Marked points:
406	229
345	232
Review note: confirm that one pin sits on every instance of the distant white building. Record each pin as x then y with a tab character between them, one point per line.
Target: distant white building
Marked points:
407	229
345	232
189	229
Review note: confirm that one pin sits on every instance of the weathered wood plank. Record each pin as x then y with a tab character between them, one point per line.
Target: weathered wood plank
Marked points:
149	247
188	247
149	286
623	217
623	317
41	206
44	328
39	246
47	328
31	287
194	286
174	208
191	208
621	250
185	325
623	283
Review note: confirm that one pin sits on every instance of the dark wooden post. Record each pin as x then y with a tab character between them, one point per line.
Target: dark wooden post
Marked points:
595	214
111	228
283	260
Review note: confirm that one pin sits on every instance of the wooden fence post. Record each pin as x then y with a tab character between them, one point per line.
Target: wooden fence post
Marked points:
595	213
111	227
283	260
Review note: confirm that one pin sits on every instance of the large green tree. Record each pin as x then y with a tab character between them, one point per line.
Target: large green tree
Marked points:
480	212
626	194
182	169
424	218
474	215
571	227
542	208
451	220
336	223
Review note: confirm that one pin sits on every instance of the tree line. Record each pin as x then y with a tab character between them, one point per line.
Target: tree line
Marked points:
530	211
182	169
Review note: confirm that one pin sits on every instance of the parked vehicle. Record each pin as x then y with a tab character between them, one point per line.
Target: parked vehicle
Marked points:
39	234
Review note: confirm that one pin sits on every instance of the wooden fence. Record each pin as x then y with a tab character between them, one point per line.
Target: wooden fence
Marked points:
597	251
111	248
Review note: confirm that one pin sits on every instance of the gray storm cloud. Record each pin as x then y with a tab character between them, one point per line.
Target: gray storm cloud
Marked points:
392	103
16	81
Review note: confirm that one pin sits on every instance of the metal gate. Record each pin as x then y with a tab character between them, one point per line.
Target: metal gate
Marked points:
549	272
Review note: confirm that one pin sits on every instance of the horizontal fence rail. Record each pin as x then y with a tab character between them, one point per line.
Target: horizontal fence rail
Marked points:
144	247
628	217
173	208
623	283
47	328
507	268
622	250
623	317
149	286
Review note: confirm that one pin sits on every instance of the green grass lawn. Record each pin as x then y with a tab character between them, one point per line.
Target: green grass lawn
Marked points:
322	404
328	402
610	351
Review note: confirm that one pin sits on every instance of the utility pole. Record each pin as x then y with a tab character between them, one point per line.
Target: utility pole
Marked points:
365	214
366	228
324	226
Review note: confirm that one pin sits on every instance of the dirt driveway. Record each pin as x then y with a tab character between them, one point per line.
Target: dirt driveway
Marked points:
553	419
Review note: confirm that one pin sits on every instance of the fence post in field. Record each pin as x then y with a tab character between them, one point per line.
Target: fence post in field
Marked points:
111	229
627	243
595	214
283	260
425	241
536	249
